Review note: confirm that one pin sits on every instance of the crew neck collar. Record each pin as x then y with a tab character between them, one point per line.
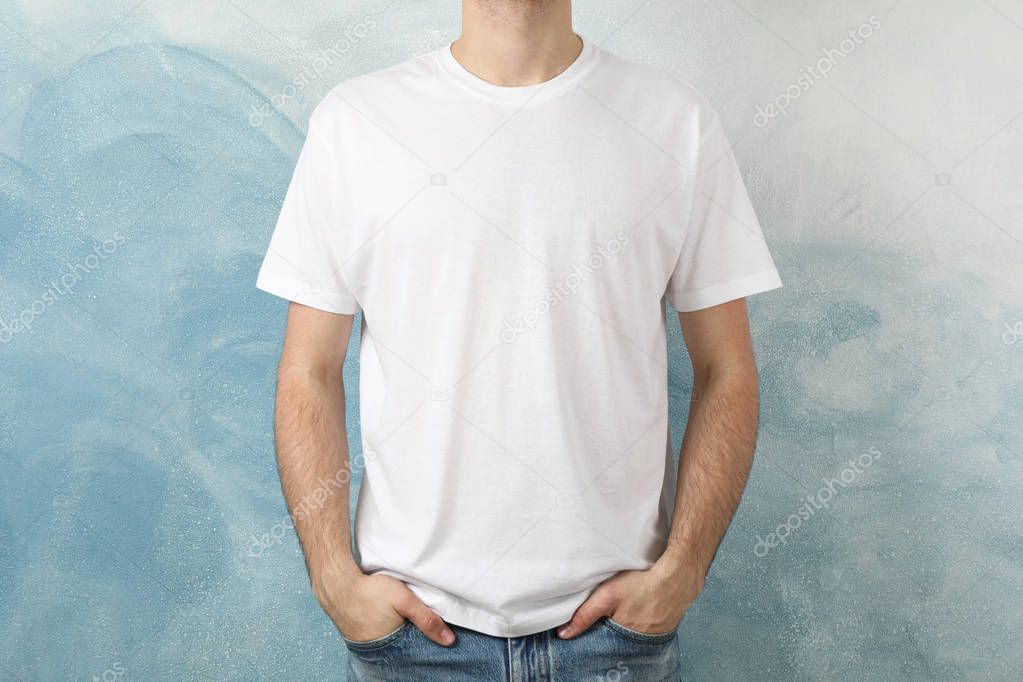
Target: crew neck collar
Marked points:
518	93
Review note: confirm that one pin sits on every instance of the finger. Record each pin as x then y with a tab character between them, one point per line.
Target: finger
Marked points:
425	618
589	612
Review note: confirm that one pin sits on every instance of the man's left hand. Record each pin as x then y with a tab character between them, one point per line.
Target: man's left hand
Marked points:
651	601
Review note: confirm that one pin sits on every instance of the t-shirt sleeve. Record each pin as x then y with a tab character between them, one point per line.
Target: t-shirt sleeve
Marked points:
304	260
723	256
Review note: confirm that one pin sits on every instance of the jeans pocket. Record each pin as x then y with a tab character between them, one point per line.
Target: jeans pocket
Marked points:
379	642
637	636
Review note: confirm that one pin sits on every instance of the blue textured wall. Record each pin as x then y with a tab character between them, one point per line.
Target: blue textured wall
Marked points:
141	171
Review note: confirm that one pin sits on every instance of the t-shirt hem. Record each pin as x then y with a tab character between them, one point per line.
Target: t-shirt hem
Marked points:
465	616
296	291
726	291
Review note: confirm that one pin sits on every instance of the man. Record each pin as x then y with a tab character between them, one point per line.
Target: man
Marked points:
509	213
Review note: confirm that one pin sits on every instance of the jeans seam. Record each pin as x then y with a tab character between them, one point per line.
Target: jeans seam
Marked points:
379	642
641	637
511	667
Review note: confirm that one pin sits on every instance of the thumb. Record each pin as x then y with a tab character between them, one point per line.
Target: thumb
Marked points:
598	605
423	617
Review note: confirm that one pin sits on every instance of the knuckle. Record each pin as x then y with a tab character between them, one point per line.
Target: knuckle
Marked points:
430	621
609	597
403	602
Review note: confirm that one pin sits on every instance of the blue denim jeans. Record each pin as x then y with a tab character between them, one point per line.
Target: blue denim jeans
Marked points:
607	652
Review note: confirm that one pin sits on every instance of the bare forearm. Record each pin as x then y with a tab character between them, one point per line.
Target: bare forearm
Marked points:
716	456
312	456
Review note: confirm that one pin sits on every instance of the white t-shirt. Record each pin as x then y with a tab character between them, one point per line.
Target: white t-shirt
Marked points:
510	249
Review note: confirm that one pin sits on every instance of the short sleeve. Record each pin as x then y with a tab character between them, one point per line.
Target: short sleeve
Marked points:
723	256
304	260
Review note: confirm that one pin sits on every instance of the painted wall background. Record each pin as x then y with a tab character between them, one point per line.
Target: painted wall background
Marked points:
146	147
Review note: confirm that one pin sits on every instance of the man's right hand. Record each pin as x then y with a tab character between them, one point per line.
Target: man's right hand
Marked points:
367	607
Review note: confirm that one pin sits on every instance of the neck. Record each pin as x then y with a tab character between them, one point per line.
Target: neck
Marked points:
516	42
